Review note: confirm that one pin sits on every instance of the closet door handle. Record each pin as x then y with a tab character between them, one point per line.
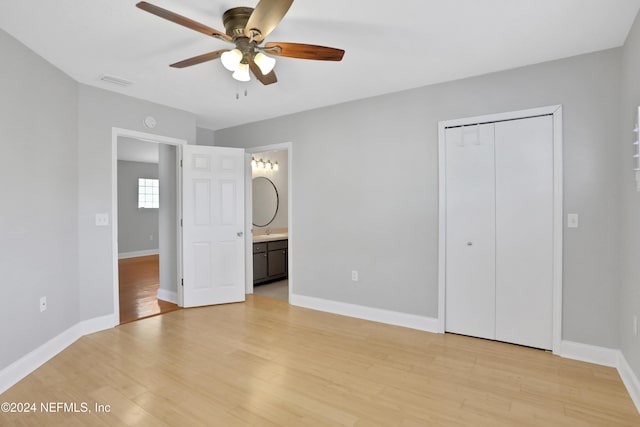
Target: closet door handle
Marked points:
469	243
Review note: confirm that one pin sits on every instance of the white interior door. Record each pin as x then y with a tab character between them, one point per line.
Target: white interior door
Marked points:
470	231
248	218
213	225
524	231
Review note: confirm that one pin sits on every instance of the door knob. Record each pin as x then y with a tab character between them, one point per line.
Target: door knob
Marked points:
469	243
240	233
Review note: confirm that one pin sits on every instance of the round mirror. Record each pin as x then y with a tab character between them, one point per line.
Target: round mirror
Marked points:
265	201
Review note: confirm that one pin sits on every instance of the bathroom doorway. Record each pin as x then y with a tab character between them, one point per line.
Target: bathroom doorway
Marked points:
271	243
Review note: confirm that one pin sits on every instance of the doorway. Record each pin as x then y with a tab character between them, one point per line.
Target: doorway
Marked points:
145	217
269	259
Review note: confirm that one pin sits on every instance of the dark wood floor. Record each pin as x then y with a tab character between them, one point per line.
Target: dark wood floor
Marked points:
139	280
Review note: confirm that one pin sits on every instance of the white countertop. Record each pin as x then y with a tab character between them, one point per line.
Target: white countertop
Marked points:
270	237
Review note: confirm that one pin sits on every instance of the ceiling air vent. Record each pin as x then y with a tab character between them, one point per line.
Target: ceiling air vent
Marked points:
115	80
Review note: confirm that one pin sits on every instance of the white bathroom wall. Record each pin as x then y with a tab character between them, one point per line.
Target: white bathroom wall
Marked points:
279	179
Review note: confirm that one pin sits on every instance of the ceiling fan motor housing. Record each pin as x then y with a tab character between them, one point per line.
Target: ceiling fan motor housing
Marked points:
235	20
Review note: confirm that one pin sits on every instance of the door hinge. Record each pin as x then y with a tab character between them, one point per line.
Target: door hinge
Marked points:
180	163
180	222
182	282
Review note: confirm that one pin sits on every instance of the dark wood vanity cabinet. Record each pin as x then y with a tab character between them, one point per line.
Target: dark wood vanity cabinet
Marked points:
259	262
269	261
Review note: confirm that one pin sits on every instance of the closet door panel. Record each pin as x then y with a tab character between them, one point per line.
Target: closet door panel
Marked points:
524	231
470	231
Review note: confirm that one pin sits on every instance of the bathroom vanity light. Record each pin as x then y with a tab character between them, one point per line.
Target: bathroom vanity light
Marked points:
266	165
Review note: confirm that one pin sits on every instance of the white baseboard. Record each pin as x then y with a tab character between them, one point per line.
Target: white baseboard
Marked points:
630	380
170	296
136	254
98	324
422	323
22	367
590	353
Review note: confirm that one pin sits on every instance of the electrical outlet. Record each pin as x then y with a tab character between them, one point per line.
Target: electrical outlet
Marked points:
102	219
573	221
354	276
43	304
635	324
151	237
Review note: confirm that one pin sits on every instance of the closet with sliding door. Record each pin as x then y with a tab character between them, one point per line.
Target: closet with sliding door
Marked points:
499	230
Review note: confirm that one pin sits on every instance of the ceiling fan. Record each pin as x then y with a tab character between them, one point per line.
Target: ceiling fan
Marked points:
247	28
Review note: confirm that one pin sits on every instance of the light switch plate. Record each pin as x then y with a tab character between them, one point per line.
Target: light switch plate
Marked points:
572	221
102	219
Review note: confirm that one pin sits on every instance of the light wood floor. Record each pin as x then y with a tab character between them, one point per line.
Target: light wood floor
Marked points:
139	280
266	363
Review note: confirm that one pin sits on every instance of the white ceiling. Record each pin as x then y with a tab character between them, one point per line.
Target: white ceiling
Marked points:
390	46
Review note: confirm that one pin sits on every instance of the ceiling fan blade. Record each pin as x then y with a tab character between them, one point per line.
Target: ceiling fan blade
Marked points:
304	51
267	79
265	17
179	19
199	59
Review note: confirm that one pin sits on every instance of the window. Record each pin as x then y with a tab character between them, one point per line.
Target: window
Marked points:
148	193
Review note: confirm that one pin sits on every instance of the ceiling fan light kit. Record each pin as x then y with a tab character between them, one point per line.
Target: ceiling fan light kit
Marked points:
231	59
242	73
247	28
264	62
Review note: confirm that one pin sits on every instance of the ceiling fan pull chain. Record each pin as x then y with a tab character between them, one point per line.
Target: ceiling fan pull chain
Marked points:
246	92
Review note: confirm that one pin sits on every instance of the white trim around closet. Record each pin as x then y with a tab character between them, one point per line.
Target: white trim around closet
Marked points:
556	112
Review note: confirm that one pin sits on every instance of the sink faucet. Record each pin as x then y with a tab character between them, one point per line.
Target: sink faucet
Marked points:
268	232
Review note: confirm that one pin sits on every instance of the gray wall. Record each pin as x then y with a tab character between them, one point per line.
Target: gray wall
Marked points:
375	208
39	207
204	136
55	175
137	228
280	180
99	111
168	218
630	219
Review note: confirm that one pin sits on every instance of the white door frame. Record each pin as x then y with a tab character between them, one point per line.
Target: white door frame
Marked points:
274	147
148	137
556	112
